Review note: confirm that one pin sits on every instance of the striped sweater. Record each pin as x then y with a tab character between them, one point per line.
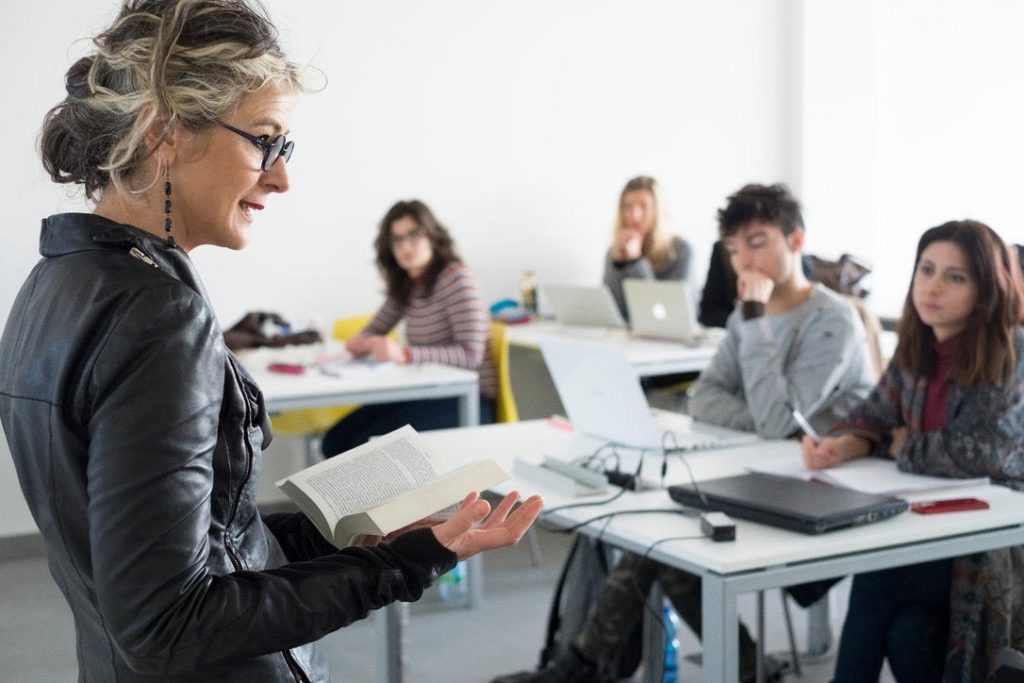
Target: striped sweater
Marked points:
449	326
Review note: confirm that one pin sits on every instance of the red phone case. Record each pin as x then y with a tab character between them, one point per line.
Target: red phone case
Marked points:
930	507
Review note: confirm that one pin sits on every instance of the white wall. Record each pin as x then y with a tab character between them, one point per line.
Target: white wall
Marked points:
517	123
913	116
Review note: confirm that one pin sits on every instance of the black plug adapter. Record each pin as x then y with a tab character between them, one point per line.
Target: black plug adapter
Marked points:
621	479
718	526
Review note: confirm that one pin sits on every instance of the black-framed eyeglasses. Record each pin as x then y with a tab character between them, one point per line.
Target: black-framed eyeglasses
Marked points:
273	149
412	236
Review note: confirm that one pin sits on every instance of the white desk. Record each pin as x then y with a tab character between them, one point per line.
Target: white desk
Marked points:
650	357
382	384
762	557
533	388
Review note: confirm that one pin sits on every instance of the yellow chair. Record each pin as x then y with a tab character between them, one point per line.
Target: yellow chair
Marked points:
505	410
311	422
505	401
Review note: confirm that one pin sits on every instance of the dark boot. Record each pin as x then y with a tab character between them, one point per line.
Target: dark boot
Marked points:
568	668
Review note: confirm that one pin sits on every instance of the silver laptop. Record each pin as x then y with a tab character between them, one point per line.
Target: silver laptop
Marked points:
661	309
584	305
602	397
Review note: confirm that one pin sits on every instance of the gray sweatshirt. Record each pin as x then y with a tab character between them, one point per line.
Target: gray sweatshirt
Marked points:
676	268
815	356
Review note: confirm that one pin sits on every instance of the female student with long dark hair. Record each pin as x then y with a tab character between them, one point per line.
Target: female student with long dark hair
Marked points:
445	322
642	246
951	403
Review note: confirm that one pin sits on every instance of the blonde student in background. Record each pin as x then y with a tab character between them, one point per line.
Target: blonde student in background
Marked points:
643	247
430	288
951	404
137	436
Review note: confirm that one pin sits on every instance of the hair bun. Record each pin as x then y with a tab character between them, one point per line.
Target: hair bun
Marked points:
76	82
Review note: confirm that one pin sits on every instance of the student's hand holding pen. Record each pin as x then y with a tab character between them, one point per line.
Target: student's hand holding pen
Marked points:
830	451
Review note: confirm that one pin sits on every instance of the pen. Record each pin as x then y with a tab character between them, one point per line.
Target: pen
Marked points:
803	422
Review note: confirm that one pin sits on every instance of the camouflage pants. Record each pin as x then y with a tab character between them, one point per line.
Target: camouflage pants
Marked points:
620	607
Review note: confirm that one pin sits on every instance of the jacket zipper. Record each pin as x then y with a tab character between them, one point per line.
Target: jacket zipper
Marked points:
293	667
142	256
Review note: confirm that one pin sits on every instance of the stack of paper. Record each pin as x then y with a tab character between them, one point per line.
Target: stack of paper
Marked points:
871	475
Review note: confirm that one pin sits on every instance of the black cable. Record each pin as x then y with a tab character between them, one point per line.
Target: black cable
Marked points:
678	451
645	557
603	501
607	515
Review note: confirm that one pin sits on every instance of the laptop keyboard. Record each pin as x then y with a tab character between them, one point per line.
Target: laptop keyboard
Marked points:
692	436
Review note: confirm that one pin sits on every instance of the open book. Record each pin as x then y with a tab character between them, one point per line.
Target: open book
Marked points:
382	486
870	475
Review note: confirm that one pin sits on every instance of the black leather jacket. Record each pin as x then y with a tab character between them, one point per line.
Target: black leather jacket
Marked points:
137	438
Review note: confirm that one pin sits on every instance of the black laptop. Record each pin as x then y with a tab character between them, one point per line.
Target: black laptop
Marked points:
805	506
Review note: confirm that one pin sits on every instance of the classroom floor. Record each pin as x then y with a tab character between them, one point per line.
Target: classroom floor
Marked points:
444	645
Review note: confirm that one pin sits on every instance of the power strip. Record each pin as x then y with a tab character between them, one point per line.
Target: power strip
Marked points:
580	474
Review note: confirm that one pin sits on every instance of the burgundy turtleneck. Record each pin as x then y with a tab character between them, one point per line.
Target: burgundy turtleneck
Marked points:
937	399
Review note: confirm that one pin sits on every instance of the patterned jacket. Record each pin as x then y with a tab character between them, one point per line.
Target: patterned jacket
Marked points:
983	436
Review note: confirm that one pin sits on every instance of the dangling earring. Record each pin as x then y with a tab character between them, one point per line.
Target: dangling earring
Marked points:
167	205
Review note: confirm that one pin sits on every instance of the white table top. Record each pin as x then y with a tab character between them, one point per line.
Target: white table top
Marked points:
356	383
757	546
648	356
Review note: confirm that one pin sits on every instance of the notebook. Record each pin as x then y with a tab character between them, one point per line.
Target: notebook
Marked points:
602	397
584	305
661	309
809	507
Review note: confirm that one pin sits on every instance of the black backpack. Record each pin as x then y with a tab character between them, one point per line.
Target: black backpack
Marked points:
579	584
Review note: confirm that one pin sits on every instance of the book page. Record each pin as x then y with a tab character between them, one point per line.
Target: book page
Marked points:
368	475
440	494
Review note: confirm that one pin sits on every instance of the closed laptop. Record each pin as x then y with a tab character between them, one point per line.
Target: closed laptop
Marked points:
805	506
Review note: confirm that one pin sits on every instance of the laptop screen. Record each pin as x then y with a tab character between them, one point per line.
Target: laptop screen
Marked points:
601	392
583	305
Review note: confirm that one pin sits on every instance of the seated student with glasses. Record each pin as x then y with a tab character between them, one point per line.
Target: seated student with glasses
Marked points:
950	404
445	322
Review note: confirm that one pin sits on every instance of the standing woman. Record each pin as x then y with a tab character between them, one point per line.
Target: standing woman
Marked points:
642	246
951	404
136	435
445	322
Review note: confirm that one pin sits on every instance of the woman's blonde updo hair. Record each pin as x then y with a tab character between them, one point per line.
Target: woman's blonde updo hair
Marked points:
162	62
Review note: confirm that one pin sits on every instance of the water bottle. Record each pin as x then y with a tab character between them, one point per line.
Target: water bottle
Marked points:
528	290
671	621
453	587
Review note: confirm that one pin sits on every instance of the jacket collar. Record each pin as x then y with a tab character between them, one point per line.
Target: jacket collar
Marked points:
68	233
